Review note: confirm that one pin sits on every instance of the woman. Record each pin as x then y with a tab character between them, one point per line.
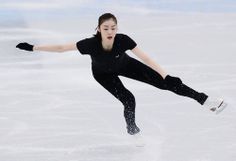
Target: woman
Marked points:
107	50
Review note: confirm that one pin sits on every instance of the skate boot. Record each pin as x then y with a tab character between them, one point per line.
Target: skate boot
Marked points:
215	105
132	128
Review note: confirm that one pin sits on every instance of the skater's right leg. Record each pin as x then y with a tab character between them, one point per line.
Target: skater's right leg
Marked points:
113	84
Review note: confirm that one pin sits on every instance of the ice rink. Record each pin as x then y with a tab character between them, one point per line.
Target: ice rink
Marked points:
51	108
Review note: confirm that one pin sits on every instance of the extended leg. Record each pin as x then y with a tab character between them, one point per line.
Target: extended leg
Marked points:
175	85
141	72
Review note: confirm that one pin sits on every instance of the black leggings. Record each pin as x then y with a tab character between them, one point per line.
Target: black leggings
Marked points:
141	72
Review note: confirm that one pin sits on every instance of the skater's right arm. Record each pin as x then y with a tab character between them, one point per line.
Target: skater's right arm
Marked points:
56	48
48	48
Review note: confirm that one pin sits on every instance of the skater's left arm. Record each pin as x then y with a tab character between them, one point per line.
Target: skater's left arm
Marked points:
149	62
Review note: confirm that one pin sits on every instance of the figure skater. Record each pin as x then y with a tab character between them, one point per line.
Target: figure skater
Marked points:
109	61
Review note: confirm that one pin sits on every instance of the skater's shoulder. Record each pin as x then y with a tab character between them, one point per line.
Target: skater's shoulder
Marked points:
121	35
89	40
92	39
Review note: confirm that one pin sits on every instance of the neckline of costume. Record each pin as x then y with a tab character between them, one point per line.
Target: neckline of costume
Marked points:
108	51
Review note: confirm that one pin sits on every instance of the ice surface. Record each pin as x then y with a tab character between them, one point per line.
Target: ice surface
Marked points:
51	109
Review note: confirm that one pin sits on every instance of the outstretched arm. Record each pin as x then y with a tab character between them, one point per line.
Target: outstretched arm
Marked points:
48	48
149	62
56	48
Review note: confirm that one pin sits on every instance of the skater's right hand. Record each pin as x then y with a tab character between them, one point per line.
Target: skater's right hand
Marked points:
25	46
172	81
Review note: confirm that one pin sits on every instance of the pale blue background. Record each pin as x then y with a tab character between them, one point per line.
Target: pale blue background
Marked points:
12	9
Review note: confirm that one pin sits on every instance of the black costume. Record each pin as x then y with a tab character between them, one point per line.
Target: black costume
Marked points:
107	66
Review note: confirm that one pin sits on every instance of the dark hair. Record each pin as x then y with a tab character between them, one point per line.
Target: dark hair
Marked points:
102	18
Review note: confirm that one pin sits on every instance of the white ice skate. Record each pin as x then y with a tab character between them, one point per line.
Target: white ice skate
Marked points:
215	105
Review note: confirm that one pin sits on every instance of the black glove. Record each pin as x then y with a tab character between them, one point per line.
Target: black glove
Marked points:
172	81
25	46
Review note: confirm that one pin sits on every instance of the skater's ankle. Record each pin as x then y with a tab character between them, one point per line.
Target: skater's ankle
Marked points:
133	129
202	98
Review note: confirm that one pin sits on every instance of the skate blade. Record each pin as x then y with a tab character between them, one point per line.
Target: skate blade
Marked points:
221	108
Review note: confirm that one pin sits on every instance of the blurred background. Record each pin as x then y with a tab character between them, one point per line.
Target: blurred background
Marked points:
51	108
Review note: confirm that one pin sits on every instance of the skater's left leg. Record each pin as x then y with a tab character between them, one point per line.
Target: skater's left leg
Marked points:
214	104
141	72
176	85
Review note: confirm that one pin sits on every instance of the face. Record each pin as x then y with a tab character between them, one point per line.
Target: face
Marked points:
108	30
